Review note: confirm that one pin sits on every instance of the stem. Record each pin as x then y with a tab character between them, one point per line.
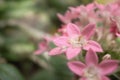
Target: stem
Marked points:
40	62
116	76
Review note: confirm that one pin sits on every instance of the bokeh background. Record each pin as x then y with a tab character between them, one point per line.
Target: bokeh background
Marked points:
21	24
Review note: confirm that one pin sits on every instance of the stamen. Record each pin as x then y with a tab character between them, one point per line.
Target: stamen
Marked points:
91	73
78	41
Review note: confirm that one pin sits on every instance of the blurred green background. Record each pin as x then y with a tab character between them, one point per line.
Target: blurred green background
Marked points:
21	23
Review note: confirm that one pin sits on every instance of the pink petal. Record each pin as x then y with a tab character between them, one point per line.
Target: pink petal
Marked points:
76	67
38	52
72	52
55	51
42	47
60	17
83	79
91	58
72	29
118	34
108	66
90	6
63	18
61	41
88	31
93	45
105	78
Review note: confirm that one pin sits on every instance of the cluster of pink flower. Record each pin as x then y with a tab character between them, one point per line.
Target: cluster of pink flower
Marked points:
102	22
95	13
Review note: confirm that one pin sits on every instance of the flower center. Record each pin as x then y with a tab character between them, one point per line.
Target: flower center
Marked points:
63	48
91	73
78	41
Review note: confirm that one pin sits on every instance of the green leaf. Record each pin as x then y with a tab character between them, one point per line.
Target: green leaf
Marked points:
9	72
43	75
60	67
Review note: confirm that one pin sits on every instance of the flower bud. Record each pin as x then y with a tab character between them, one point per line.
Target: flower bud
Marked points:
106	57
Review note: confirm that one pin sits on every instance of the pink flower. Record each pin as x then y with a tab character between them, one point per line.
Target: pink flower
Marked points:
75	41
70	15
63	30
92	70
114	29
42	47
65	18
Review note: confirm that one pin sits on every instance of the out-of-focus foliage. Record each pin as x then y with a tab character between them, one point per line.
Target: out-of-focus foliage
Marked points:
105	1
21	25
9	72
59	71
